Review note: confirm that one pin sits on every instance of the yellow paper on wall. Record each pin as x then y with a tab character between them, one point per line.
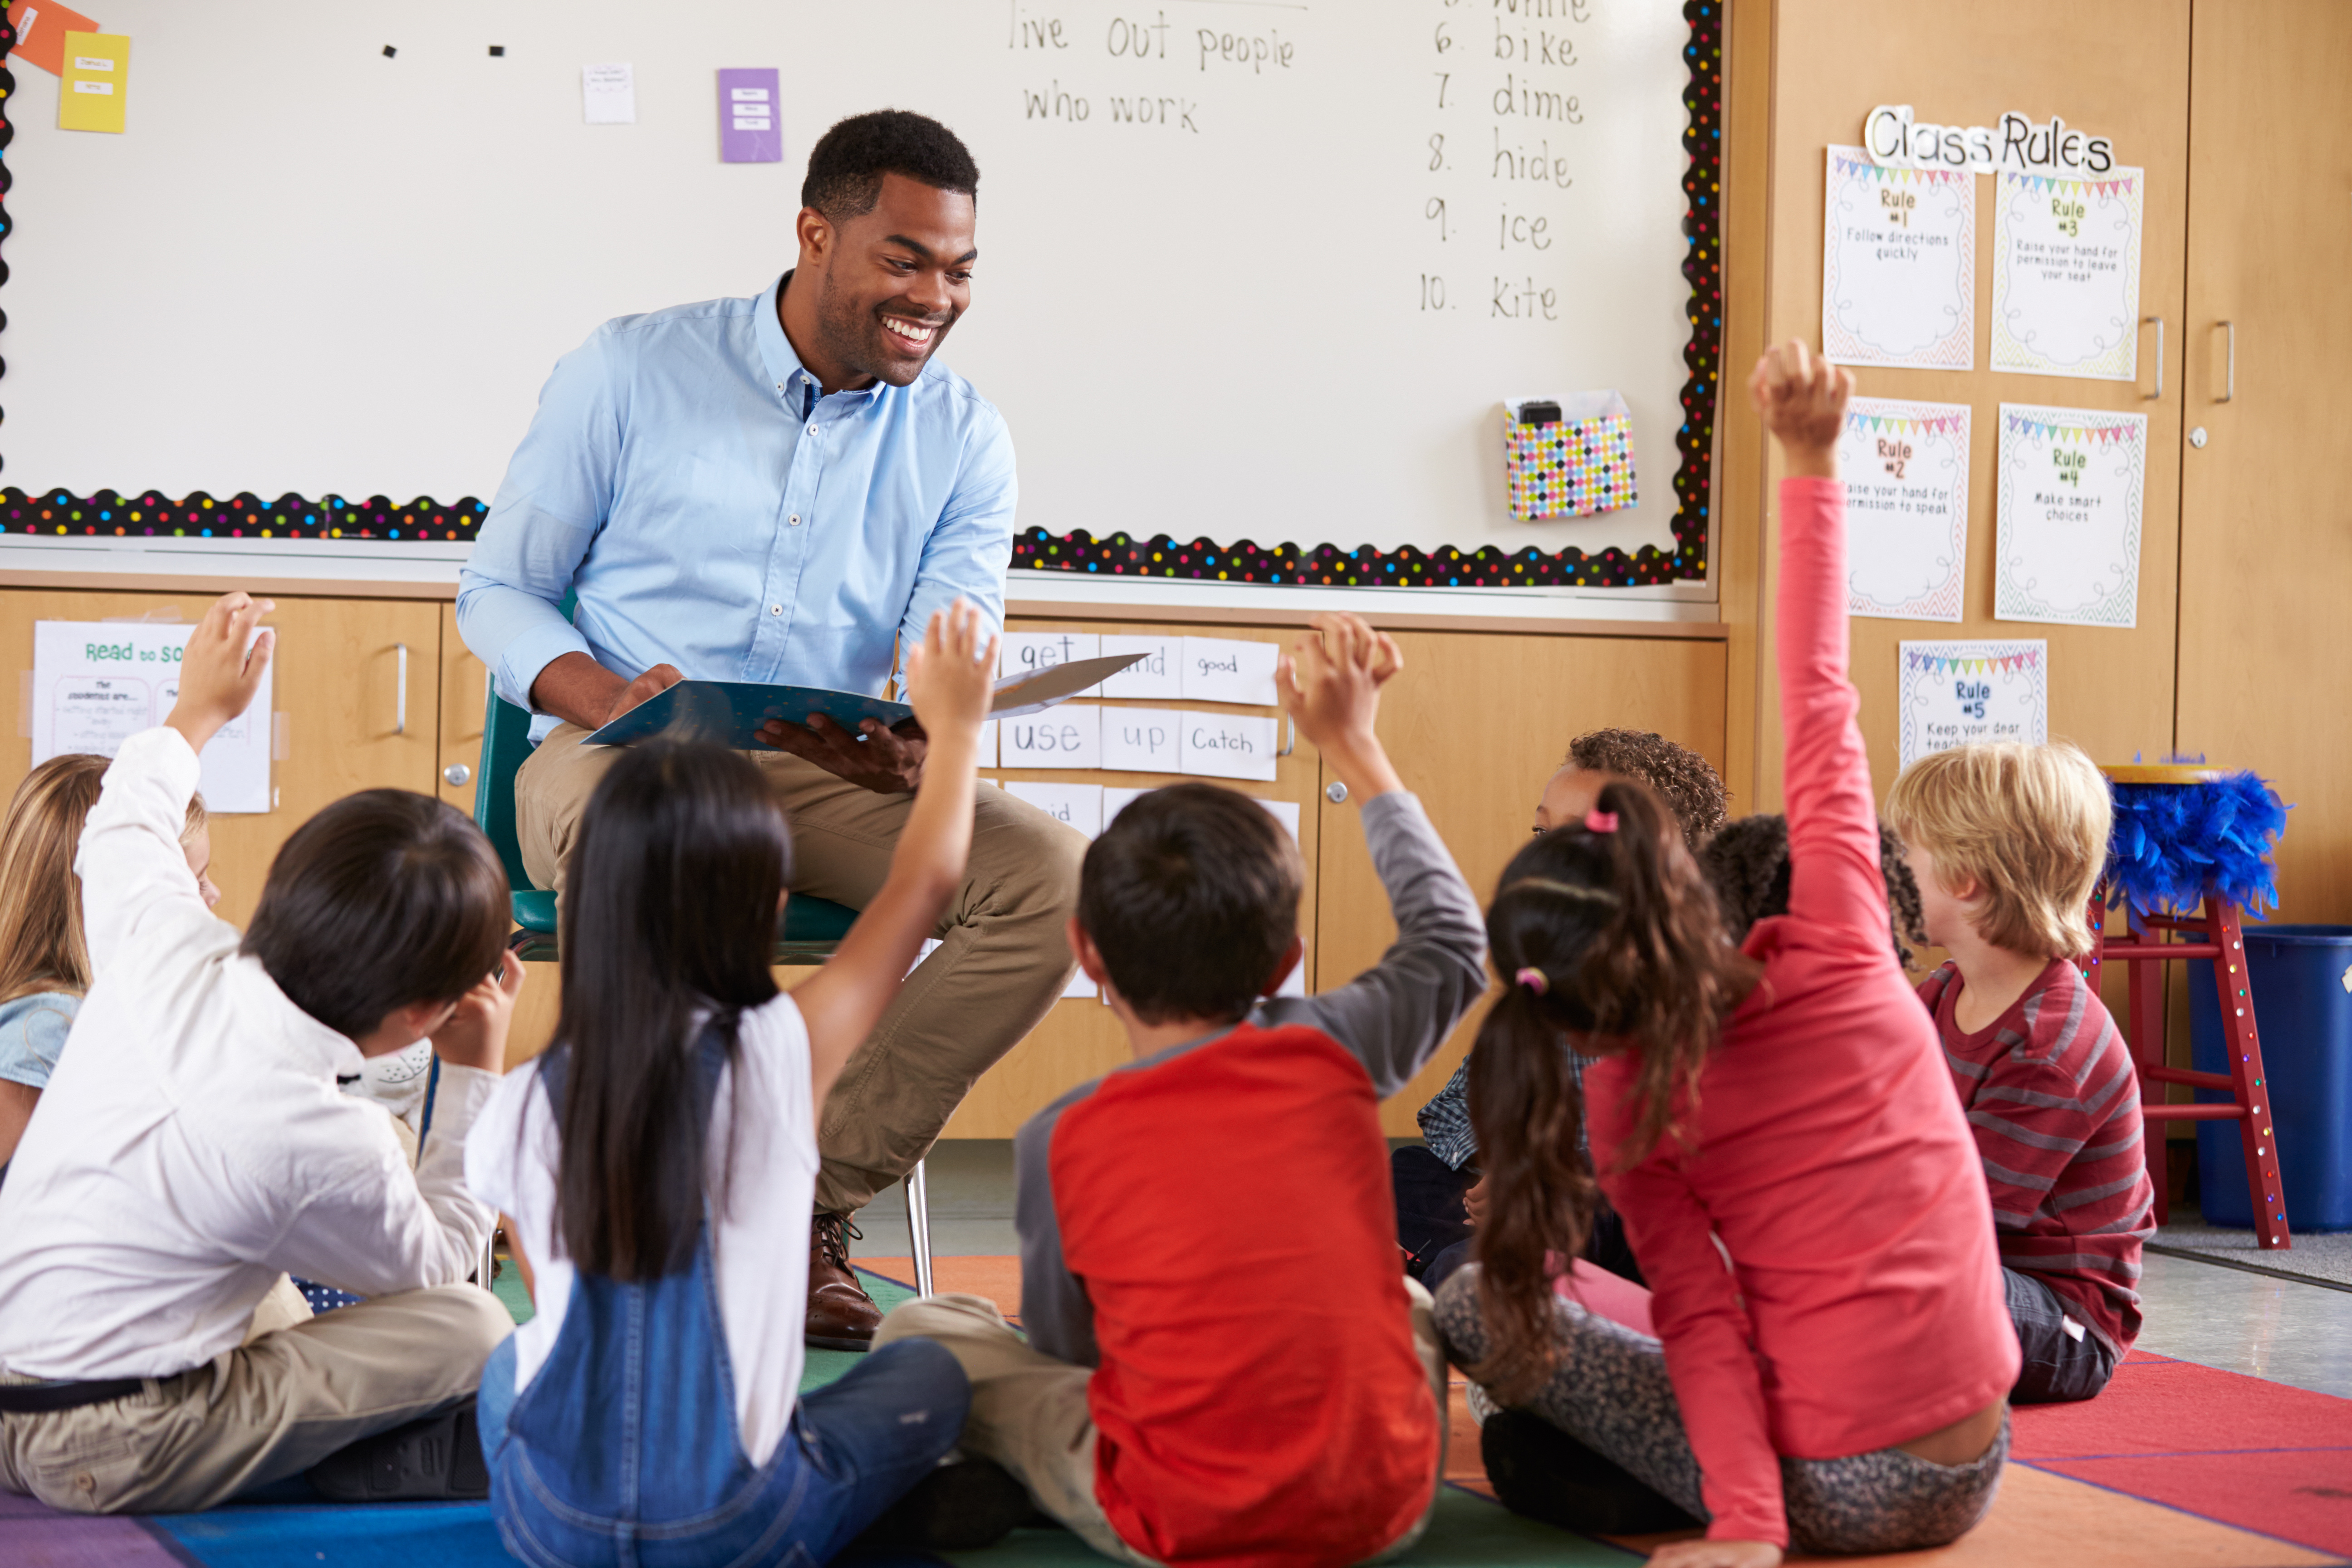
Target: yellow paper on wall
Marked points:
91	87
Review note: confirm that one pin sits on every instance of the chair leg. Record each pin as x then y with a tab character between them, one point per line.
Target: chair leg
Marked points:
2144	985
2265	1192
918	1228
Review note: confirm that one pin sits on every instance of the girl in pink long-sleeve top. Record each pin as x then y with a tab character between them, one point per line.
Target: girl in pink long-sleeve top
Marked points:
1776	1124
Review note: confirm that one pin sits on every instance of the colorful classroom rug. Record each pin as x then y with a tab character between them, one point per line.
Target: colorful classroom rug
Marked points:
2176	1466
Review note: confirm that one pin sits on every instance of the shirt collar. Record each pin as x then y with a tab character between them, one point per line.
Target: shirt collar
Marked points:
776	350
312	1043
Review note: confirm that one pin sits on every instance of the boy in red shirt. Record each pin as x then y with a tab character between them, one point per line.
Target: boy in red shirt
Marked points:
2006	841
1196	1390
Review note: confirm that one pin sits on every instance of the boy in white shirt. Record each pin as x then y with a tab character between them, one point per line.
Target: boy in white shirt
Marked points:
192	1146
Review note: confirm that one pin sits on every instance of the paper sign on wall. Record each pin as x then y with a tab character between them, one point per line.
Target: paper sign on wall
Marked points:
1157	675
98	683
1228	746
987	753
95	82
1027	653
1955	693
608	95
1069	736
41	32
1142	740
1078	804
1898	265
2067	540
2065	275
750	129
1225	669
1906	508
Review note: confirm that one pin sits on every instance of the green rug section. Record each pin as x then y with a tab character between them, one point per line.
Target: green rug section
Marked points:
507	1286
1467	1531
824	1366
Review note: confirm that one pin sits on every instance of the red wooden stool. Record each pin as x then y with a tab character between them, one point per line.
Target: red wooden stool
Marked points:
2212	934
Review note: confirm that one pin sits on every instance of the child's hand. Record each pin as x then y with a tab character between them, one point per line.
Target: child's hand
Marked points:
1802	400
1717	1554
218	677
952	674
1330	681
475	1035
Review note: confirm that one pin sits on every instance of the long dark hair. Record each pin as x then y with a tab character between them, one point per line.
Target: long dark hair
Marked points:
1612	934
669	913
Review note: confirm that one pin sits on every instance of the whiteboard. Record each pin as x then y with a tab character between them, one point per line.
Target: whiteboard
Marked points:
1259	283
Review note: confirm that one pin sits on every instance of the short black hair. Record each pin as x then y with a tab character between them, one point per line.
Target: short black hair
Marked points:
1191	897
847	165
1685	781
385	898
1747	862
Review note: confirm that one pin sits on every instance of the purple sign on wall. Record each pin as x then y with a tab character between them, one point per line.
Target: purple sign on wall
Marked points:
751	130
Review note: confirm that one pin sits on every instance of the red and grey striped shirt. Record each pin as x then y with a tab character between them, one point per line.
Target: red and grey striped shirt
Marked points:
2054	1103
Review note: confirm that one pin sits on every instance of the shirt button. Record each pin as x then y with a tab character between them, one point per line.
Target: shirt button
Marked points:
794	519
775	609
812	427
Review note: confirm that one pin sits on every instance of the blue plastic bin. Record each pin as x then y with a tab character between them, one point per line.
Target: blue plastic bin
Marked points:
2302	983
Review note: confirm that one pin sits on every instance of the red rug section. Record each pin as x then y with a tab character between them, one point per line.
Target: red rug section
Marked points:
2257	1455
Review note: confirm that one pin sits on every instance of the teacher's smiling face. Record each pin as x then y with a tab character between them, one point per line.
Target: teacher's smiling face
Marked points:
875	293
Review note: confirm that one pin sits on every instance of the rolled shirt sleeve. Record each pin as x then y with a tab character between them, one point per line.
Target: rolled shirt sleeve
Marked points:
966	556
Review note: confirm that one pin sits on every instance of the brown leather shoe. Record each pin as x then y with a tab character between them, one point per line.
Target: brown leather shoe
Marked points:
841	1315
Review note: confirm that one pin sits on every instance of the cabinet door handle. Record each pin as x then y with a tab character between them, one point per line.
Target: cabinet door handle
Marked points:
456	773
2158	394
2230	381
399	696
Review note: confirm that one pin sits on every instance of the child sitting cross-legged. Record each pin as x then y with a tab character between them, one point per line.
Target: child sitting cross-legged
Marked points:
1776	1125
2006	841
658	1165
191	1147
1196	1388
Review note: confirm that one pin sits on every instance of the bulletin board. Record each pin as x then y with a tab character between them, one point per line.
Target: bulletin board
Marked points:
1256	279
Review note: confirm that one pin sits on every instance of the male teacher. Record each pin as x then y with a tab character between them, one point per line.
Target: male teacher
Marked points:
781	489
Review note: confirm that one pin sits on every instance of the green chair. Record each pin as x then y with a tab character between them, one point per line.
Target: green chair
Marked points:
811	927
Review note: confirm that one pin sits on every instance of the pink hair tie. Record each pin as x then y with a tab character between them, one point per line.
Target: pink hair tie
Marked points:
1535	980
1600	821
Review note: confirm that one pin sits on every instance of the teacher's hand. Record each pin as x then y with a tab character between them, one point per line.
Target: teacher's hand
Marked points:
886	761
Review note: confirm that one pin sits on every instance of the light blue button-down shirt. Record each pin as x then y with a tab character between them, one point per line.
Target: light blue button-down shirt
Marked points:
672	479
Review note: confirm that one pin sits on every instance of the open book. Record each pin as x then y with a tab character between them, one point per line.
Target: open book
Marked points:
731	712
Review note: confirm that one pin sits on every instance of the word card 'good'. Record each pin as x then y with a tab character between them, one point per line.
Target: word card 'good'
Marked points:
1224	669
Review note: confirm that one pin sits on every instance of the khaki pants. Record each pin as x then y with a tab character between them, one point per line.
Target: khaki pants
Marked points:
1002	962
271	1408
1029	1411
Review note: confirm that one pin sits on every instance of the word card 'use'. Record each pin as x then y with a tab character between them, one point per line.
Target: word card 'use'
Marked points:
1224	669
1228	746
1069	736
1158	676
1142	740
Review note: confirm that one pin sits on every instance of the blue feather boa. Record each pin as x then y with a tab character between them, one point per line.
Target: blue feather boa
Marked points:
2172	842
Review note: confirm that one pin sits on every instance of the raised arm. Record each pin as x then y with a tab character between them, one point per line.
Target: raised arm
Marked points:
1395	1014
949	679
1834	878
130	861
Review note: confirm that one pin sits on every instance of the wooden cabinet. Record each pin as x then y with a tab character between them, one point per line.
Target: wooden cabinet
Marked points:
462	698
353	694
2266	521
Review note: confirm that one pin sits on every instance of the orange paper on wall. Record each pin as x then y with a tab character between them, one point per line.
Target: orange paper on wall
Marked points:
41	30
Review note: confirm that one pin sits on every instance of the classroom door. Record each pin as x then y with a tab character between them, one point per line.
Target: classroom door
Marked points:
2266	520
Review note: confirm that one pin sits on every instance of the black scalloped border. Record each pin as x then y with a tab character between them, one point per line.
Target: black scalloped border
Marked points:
247	516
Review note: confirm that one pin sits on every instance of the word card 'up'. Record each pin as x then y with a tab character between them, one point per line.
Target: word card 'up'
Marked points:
1069	736
1143	740
1228	746
1226	670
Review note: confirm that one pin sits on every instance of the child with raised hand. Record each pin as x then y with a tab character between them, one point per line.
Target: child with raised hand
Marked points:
191	1147
657	1166
2007	842
1775	1123
44	962
1191	1389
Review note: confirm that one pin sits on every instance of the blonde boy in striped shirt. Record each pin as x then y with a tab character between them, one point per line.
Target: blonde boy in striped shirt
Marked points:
2006	841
